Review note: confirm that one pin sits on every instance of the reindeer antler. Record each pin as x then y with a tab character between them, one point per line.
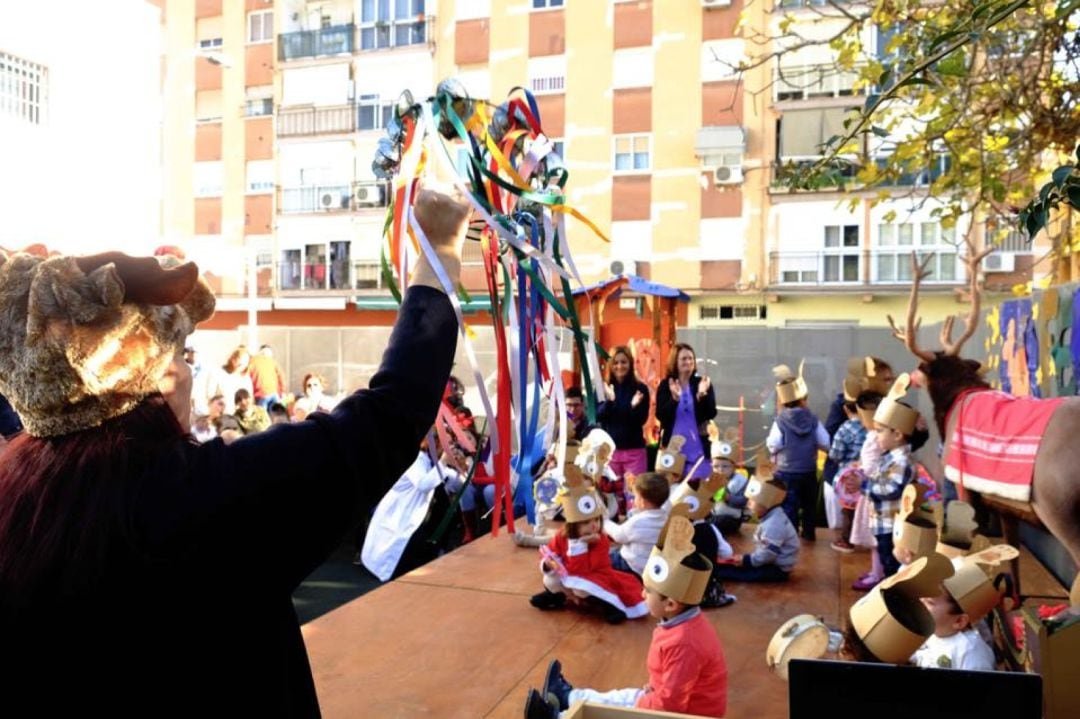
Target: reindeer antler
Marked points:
972	261
909	336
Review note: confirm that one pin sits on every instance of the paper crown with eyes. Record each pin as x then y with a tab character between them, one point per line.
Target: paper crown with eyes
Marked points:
893	413
916	525
670	460
578	499
722	445
594	455
972	587
891	619
789	386
763	487
665	572
700	500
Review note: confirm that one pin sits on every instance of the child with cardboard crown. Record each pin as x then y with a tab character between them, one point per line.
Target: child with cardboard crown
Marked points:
576	563
670	461
729	512
639	533
894	421
915	528
694	500
776	543
794	439
687	669
847	445
964	600
593	458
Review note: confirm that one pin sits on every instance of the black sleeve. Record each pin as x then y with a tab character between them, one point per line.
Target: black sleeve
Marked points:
640	414
705	408
919	437
278	502
836	416
665	406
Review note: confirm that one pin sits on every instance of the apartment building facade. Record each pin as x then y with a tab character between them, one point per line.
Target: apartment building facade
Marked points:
670	151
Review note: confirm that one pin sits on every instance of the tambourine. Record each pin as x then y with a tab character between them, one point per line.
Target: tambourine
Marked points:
801	637
546	489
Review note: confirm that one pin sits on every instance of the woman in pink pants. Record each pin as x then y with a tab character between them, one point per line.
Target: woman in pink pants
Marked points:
622	415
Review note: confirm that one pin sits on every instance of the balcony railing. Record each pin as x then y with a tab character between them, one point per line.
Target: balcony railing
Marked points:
298	121
848	170
336	40
809	82
855	267
333	277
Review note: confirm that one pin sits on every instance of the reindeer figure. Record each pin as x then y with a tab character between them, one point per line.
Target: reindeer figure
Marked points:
955	387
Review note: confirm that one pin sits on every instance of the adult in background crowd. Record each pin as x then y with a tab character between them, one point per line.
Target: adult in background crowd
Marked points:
233	377
251	417
103	594
314	399
684	405
623	415
267	380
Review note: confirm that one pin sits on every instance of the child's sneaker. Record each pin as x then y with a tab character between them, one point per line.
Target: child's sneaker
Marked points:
843	546
537	707
556	687
548	600
715	596
865	583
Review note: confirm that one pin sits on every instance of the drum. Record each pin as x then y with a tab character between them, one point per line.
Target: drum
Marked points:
801	637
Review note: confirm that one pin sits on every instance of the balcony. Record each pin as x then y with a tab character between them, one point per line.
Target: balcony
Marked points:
309	120
853	268
336	40
814	82
335	277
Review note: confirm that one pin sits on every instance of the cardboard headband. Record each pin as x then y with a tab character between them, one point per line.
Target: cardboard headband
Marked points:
970	585
671	460
790	388
958	527
593	455
763	488
665	572
722	447
579	501
699	501
891	619
893	413
916	526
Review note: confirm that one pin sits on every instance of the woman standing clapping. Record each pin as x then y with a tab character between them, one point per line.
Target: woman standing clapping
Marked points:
684	405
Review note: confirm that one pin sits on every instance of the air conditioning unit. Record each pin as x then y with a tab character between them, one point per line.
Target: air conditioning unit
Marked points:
330	200
370	195
715	3
623	267
999	262
727	175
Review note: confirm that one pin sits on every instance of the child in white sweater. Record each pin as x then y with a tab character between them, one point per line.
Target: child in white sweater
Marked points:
641	530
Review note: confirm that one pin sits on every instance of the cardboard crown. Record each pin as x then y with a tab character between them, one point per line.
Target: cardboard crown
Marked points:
700	500
664	571
594	454
762	487
671	460
892	412
579	500
890	619
958	528
722	446
970	585
916	526
790	388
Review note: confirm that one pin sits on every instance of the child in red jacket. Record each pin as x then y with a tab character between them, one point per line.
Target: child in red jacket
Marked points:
576	562
687	669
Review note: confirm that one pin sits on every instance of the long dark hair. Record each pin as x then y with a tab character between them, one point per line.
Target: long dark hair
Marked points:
631	377
66	502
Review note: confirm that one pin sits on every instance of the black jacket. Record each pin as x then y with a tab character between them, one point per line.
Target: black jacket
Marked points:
624	423
193	615
704	410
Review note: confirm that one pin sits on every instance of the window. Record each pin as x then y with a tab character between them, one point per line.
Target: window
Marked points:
631	153
210	43
732	313
542	4
392	23
261	26
373	114
263	106
260	176
806	82
24	89
208	178
548	85
842	257
892	256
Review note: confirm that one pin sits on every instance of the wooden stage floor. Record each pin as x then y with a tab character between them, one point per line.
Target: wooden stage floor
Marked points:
458	638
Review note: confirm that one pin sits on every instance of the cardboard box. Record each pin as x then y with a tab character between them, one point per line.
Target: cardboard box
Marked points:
1056	656
584	710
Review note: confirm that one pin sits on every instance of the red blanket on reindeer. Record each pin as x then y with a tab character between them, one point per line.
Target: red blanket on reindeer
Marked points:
992	448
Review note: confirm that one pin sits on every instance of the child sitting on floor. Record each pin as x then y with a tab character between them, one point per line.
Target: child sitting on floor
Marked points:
965	599
576	564
776	543
729	512
694	499
637	535
687	669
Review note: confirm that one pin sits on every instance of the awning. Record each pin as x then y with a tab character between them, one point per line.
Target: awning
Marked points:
635	284
719	139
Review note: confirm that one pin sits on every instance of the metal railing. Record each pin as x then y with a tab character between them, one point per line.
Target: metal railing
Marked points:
336	40
857	267
342	276
308	120
808	82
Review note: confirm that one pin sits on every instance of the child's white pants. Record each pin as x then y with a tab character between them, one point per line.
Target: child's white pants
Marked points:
614	698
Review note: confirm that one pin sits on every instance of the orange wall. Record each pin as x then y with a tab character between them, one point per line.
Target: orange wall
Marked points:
259	64
207	141
259	138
